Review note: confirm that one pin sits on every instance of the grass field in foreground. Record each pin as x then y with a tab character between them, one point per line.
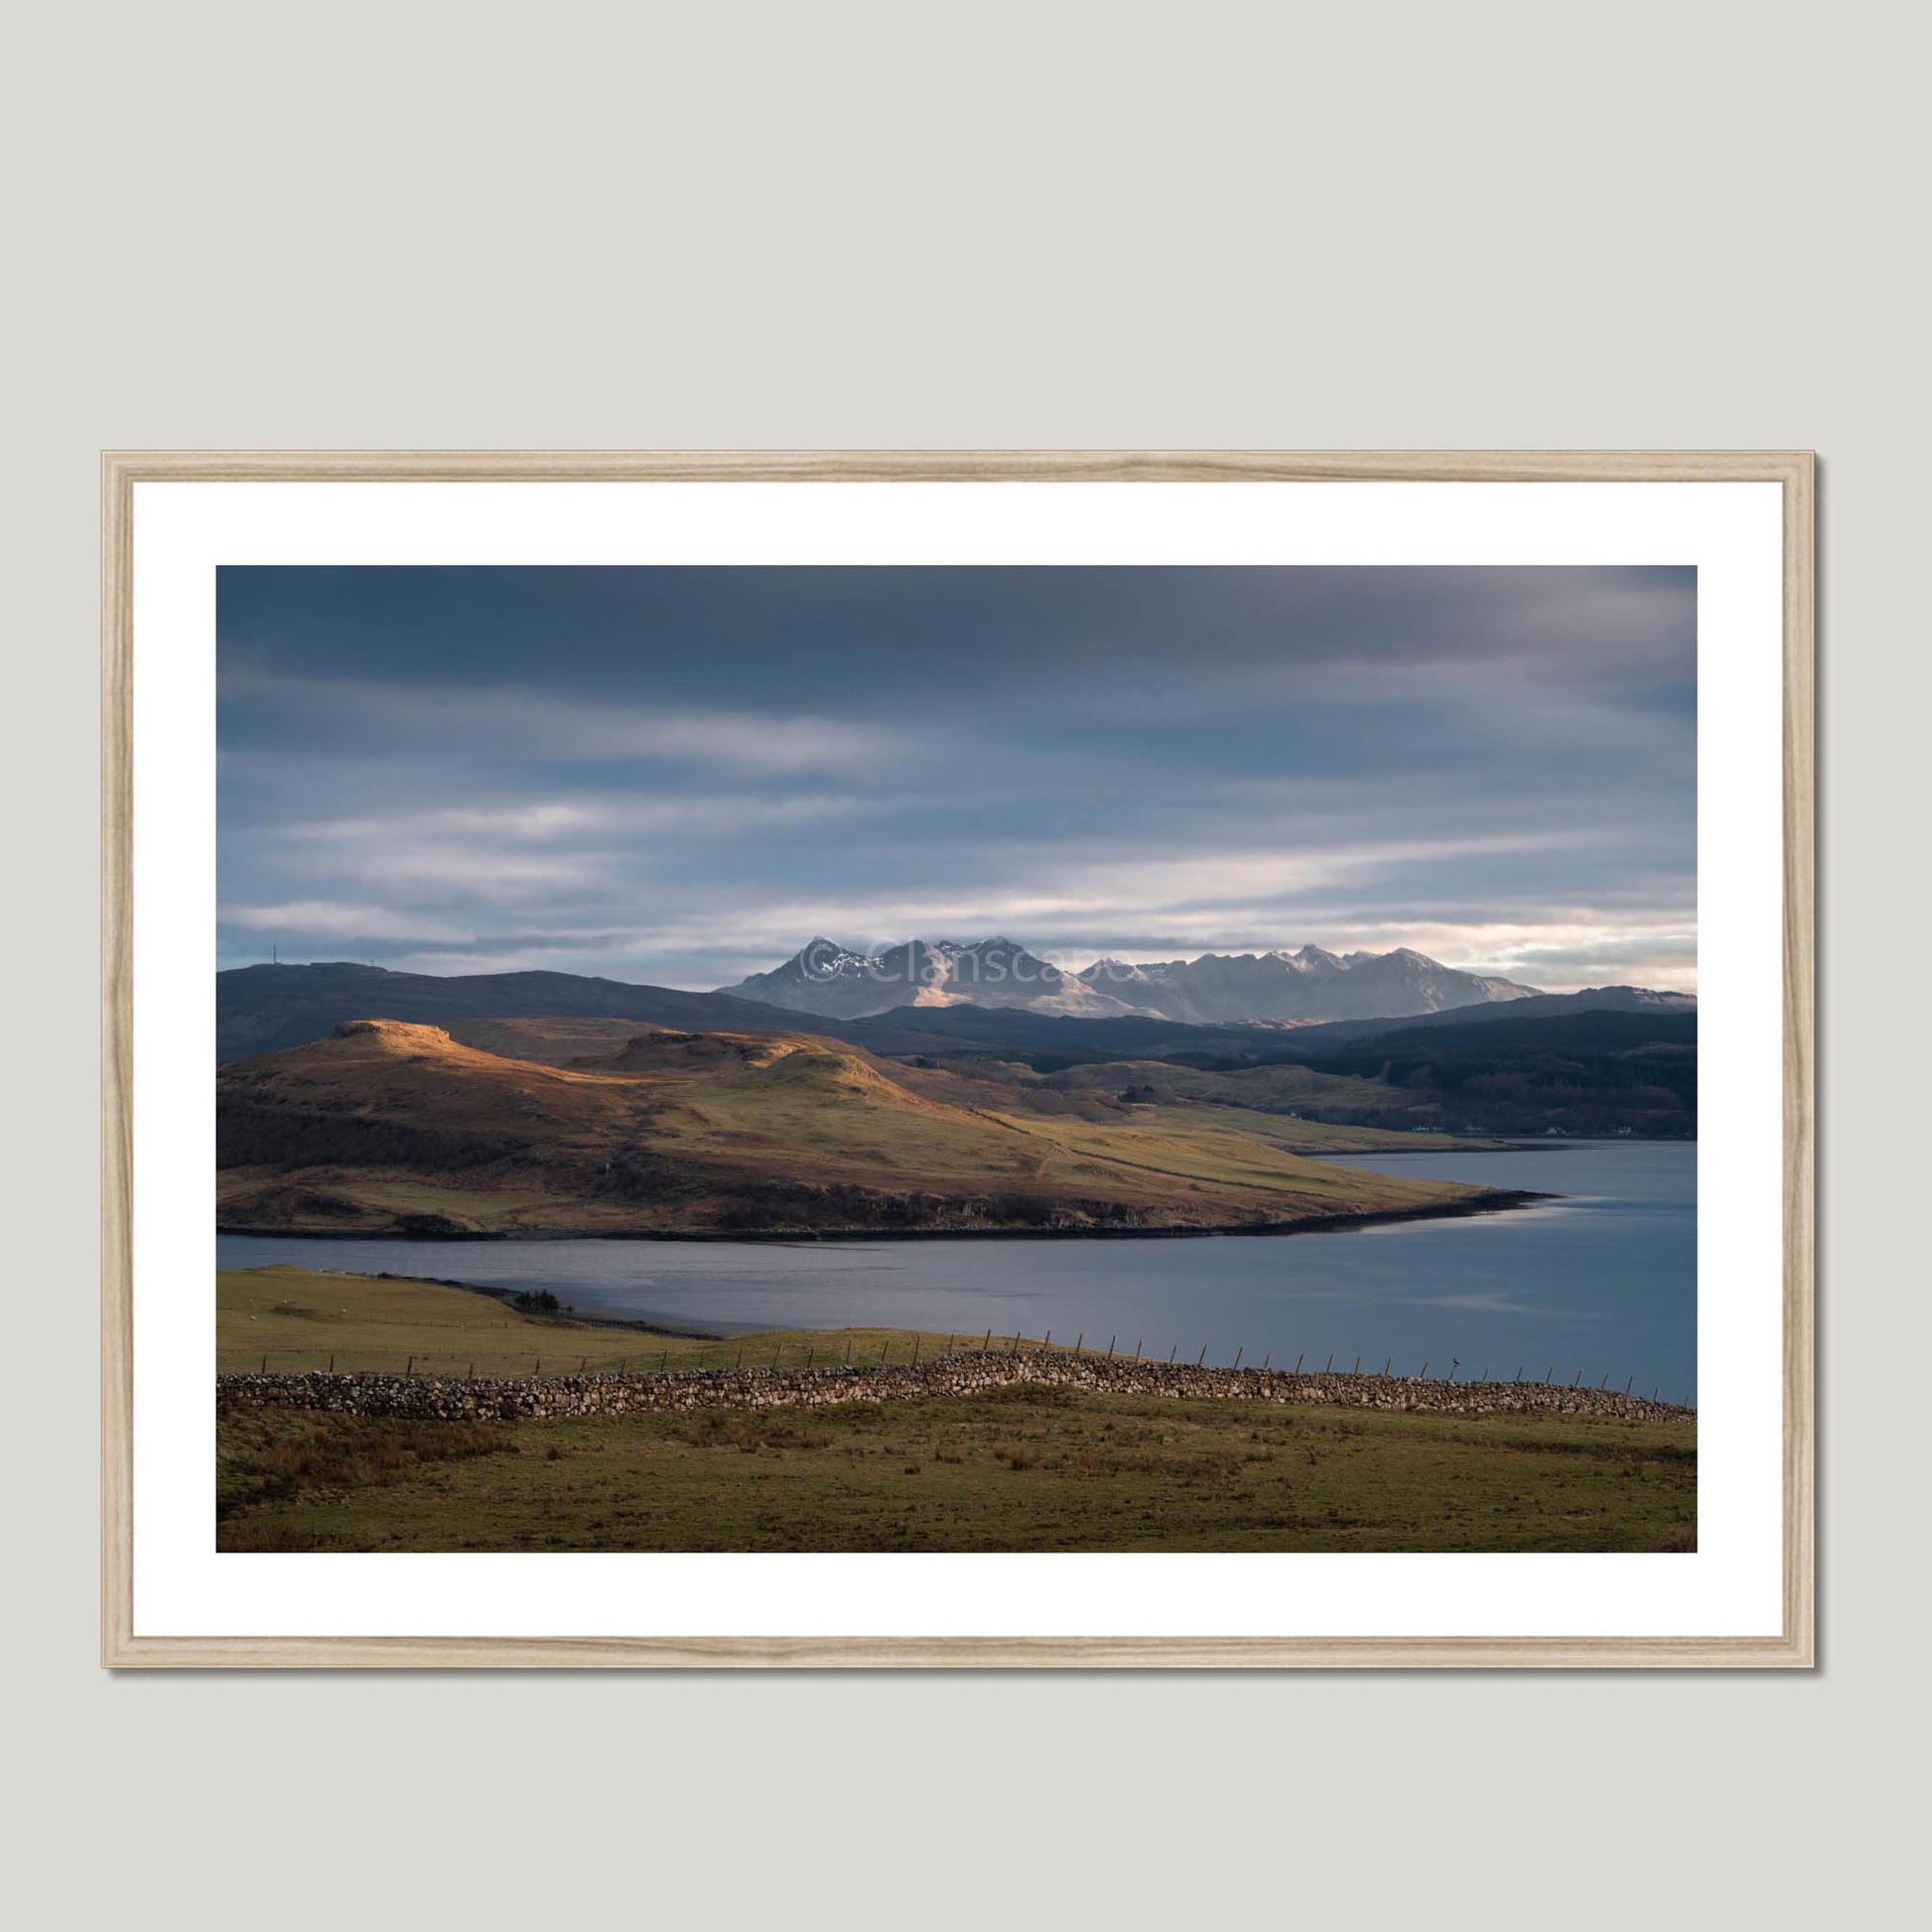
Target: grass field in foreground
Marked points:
1017	1468
296	1319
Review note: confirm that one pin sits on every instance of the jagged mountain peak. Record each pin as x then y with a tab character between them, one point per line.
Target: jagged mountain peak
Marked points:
996	971
1278	986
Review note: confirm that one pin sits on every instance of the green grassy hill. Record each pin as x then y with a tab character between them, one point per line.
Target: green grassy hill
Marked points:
293	1320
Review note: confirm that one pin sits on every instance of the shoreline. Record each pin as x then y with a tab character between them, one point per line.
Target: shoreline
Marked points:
1498	1200
1539	1144
564	1318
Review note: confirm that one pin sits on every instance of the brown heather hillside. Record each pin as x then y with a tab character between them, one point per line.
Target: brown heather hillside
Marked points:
1265	1102
551	1043
390	1127
1107	1091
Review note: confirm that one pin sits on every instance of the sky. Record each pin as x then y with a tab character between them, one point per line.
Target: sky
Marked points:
680	776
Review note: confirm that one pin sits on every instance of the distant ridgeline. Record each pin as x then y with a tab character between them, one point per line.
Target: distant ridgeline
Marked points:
1612	1060
1588	1073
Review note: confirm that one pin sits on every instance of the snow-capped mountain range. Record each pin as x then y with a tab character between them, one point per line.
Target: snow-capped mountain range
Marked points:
1269	988
1309	985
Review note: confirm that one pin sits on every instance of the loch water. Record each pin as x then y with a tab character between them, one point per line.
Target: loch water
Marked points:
1598	1284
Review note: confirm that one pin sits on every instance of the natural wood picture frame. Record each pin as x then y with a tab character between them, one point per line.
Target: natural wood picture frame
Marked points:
122	1647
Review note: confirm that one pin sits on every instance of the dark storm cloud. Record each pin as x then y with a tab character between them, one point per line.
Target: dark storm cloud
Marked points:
681	774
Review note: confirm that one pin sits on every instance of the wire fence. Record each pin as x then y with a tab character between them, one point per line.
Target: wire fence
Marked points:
858	1349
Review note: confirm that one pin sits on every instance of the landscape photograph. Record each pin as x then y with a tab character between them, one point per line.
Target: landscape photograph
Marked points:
961	1058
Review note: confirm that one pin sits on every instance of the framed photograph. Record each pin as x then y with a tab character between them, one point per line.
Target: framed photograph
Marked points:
957	1059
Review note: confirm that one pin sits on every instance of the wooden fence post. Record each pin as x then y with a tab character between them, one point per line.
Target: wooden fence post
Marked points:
1297	1362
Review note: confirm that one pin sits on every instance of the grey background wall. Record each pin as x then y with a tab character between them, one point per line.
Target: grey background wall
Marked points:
1039	224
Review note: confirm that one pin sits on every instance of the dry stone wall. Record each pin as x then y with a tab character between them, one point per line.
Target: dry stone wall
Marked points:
531	1398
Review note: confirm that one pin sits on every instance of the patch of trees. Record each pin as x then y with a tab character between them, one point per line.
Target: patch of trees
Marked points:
249	1134
635	1173
775	1203
798	1205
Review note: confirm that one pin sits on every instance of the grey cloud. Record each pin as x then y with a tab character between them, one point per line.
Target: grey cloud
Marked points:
683	781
